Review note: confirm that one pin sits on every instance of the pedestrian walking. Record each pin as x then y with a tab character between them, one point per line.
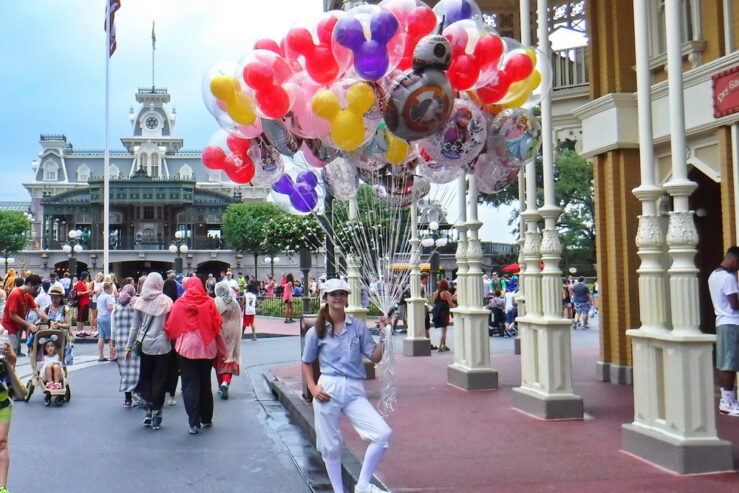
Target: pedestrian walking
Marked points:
443	301
230	311
338	341
82	293
122	325
583	301
195	325
150	313
20	302
105	304
6	413
722	284
287	297
172	290
250	310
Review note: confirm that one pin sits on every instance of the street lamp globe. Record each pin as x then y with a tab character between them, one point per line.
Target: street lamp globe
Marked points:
441	242
427	242
10	260
276	260
78	233
67	248
267	260
77	248
72	235
184	248
172	248
178	234
433	225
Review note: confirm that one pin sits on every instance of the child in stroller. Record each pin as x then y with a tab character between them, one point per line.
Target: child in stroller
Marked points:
52	368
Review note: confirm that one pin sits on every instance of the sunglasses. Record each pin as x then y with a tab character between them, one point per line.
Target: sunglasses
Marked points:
338	294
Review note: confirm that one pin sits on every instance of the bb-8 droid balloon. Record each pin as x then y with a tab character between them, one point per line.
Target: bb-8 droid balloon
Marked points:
421	99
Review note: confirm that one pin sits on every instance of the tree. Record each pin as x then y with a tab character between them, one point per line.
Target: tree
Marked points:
573	192
243	227
290	233
15	231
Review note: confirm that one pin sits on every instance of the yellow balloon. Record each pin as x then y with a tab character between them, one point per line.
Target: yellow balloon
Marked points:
360	98
521	90
347	130
239	106
397	149
325	104
347	126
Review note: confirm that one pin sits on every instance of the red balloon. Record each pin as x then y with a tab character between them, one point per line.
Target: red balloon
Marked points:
319	59
237	145
519	66
466	68
271	98
213	157
420	22
488	50
270	45
496	89
239	168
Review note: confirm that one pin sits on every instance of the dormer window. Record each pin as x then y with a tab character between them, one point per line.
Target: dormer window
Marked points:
51	171
83	173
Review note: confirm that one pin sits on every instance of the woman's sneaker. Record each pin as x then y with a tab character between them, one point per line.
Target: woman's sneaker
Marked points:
147	420
224	391
730	408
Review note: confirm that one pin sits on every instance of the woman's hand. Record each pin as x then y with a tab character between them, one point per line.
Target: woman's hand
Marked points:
128	355
320	394
384	320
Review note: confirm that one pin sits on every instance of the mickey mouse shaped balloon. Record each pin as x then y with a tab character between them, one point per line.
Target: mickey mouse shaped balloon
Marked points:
421	99
238	166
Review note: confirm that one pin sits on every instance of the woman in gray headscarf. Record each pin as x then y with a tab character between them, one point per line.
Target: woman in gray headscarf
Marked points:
122	326
230	310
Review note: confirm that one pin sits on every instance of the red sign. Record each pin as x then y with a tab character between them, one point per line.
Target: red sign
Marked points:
726	92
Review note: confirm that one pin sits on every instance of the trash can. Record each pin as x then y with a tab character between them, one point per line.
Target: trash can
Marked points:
306	322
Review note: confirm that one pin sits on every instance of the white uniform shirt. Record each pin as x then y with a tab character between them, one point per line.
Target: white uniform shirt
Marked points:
722	283
250	304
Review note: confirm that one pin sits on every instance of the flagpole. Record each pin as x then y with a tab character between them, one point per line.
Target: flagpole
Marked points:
106	159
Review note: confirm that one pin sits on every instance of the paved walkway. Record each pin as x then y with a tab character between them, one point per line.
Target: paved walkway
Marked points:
447	439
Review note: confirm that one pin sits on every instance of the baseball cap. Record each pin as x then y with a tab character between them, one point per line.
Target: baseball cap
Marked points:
335	285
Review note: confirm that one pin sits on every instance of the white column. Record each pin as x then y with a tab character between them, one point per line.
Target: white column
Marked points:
471	369
674	415
416	343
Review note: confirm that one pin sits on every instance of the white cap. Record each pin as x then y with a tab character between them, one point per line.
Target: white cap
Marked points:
335	285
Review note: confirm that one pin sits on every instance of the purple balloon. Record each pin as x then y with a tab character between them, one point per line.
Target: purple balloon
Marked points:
371	59
304	198
284	185
307	178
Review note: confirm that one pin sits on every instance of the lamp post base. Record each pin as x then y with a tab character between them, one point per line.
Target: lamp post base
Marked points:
472	379
553	406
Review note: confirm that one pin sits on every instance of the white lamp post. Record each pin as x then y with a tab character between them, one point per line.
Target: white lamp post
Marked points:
179	247
272	261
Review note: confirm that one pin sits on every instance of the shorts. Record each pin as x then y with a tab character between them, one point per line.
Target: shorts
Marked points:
727	347
93	305
582	307
83	313
248	320
103	328
6	414
510	317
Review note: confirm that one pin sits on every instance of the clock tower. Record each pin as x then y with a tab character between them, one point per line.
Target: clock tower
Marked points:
152	139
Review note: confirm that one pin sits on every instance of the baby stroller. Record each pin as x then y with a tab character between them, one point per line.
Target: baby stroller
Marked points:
57	395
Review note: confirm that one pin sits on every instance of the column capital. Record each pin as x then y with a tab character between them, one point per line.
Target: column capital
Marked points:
647	193
680	187
530	215
649	234
549	211
681	230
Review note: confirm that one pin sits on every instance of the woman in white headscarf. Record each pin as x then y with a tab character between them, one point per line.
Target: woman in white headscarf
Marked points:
151	309
230	311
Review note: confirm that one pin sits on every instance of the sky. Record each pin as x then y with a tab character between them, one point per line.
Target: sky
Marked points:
53	75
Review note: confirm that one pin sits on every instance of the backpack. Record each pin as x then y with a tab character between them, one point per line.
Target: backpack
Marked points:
72	298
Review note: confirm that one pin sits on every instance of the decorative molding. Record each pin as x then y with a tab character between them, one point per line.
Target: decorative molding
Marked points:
550	244
604	103
681	230
532	245
649	233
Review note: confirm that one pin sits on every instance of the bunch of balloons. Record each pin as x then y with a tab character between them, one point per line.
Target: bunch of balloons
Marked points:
398	95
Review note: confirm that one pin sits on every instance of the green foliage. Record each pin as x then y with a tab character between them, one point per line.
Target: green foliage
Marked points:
573	192
15	232
288	233
243	225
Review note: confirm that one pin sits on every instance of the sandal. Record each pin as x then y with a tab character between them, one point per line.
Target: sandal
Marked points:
102	359
127	404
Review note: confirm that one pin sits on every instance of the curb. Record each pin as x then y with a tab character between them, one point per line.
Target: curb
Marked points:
302	415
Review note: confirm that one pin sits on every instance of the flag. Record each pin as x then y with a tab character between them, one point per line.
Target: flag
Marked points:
112	7
153	37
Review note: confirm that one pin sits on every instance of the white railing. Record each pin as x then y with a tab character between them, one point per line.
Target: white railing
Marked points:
570	68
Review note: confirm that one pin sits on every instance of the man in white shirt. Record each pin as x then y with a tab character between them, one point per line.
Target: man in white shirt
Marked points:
722	283
250	311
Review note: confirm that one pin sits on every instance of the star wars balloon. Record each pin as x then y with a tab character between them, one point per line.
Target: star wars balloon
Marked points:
421	99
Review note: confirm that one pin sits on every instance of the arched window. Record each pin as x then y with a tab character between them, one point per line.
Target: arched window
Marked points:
144	161
51	169
83	173
185	172
154	168
115	171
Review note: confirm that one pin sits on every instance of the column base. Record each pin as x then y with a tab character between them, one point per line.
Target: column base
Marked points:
517	345
416	347
469	379
357	312
684	457
559	406
603	371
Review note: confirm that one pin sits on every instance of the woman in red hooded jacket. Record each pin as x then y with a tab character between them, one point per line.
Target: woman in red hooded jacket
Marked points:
195	325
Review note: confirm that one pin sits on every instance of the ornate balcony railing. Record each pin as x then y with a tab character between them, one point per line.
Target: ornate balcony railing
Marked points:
570	68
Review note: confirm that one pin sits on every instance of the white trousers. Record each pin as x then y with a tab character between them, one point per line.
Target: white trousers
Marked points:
348	397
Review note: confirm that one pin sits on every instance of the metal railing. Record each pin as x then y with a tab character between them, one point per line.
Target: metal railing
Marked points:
570	68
